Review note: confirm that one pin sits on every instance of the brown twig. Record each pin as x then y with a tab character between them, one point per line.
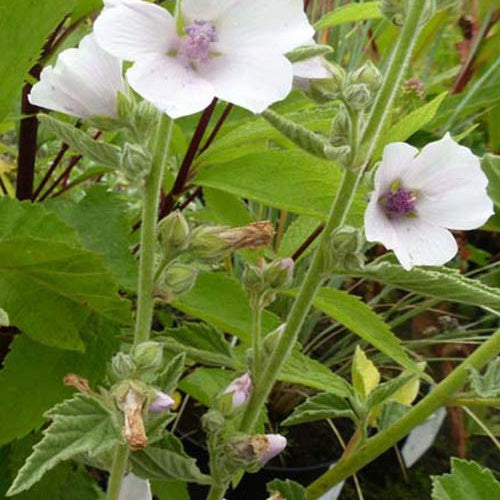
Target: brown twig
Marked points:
308	242
217	128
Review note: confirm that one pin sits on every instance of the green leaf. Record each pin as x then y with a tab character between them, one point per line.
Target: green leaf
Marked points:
384	391
4	318
210	292
307	52
170	490
167	463
226	209
290	180
296	234
201	343
363	321
79	425
467	481
32	375
204	384
103	226
169	377
491	167
438	282
97	151
349	14
289	490
320	407
391	412
49	288
411	123
487	385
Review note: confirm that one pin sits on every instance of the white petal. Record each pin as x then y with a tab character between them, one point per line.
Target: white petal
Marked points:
173	87
278	25
311	68
204	10
252	80
420	243
378	227
445	165
131	30
397	159
135	488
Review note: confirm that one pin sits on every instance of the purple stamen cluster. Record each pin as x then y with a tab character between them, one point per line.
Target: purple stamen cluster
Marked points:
399	202
200	35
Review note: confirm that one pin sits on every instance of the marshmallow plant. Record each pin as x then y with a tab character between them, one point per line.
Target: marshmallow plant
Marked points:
146	64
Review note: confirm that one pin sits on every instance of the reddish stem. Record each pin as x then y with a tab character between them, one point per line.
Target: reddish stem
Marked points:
310	240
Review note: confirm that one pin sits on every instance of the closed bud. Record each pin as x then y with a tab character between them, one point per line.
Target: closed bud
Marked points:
144	119
148	355
240	389
173	233
253	279
345	250
358	95
272	339
328	89
252	451
125	107
135	163
213	421
122	367
341	127
162	403
175	280
369	75
279	274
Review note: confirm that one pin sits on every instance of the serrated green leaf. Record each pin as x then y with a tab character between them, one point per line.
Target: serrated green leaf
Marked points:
289	490
32	375
169	377
467	481
97	151
437	282
79	425
320	407
49	287
349	14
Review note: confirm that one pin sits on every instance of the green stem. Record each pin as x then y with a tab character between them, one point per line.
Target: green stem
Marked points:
216	492
256	338
418	414
118	470
152	191
488	402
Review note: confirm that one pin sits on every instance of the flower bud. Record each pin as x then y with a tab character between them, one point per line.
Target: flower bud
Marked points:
341	129
213	421
241	389
135	162
345	250
147	355
122	367
369	75
173	233
358	96
161	403
271	340
252	451
279	274
125	107
144	119
326	90
175	280
253	279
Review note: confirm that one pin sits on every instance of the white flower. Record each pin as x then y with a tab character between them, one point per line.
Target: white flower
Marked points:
135	488
232	49
418	197
84	82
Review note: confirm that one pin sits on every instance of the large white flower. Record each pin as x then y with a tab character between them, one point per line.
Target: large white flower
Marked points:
84	82
418	197
230	49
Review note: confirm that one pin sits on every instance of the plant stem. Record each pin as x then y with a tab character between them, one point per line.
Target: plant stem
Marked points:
216	492
418	414
118	470
152	191
256	338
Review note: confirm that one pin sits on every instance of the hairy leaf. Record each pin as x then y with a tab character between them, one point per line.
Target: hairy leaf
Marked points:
349	14
169	377
289	490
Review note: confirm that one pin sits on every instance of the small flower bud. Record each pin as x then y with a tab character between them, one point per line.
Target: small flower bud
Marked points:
272	339
253	279
147	355
213	421
279	274
135	162
144	119
252	451
325	90
369	75
122	367
358	95
125	107
173	233
175	280
345	250
240	388
341	129
161	403
267	446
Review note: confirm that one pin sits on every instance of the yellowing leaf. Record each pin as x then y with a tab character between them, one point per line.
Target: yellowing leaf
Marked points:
365	376
407	394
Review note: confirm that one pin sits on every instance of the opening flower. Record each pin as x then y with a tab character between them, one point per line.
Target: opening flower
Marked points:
419	197
232	50
84	82
241	389
162	403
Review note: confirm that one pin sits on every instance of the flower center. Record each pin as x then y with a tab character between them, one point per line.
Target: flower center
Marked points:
200	34
399	201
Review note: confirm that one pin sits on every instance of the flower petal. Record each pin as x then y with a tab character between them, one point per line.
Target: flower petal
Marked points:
278	25
173	87
378	227
420	243
135	488
252	80
311	68
397	159
132	29
204	10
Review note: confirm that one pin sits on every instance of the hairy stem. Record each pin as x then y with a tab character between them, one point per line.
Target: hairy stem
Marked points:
418	414
118	470
152	190
256	338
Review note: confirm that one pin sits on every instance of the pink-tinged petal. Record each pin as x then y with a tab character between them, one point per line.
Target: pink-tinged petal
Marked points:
397	159
130	30
172	86
445	165
161	403
241	389
313	69
378	227
420	243
252	80
277	25
466	207
135	488
272	445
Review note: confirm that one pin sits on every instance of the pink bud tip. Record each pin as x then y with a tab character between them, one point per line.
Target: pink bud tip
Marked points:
271	445
241	388
287	264
161	404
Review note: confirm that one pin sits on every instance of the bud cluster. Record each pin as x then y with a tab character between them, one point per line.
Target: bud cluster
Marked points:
345	250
